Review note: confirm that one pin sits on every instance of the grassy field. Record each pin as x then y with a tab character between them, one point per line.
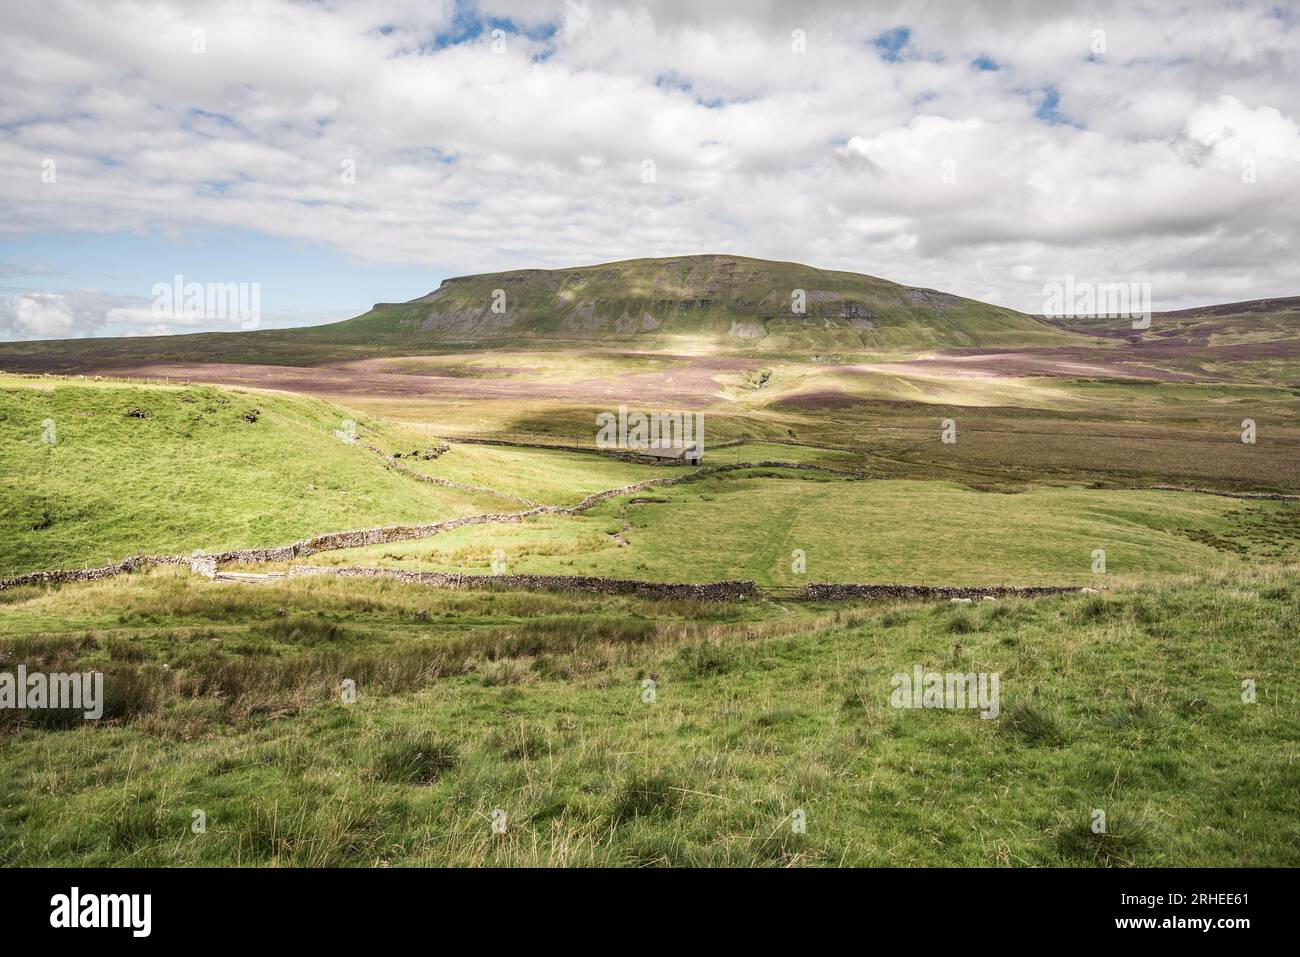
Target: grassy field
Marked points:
747	525
1119	433
470	705
157	469
556	477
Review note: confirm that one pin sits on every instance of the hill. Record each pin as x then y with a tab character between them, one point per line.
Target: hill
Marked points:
703	304
734	303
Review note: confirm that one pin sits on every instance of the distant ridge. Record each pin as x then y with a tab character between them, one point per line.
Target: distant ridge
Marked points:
704	304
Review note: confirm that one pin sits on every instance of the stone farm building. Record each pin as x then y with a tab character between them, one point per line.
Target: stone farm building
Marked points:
667	453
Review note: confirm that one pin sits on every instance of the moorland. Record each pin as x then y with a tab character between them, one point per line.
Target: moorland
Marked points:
885	434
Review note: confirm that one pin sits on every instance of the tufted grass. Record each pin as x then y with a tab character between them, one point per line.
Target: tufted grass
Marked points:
533	705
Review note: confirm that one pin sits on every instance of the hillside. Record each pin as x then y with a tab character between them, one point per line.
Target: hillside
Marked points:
98	471
702	304
732	302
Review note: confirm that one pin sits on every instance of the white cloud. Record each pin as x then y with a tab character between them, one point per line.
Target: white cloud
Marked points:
470	160
31	314
45	317
158	329
1227	134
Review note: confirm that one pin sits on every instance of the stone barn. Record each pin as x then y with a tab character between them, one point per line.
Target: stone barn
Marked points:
664	453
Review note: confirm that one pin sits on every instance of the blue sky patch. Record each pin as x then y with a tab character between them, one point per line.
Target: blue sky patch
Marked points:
891	43
302	283
1047	110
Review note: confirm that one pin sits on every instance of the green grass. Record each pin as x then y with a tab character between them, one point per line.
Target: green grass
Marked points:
748	524
195	467
844	461
470	703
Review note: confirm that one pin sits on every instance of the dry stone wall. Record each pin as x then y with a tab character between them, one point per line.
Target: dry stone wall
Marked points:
395	464
124	567
711	591
708	591
864	592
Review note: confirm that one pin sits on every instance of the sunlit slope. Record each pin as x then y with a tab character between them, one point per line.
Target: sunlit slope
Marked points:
96	472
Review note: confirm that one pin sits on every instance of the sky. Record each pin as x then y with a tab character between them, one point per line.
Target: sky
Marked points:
331	154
